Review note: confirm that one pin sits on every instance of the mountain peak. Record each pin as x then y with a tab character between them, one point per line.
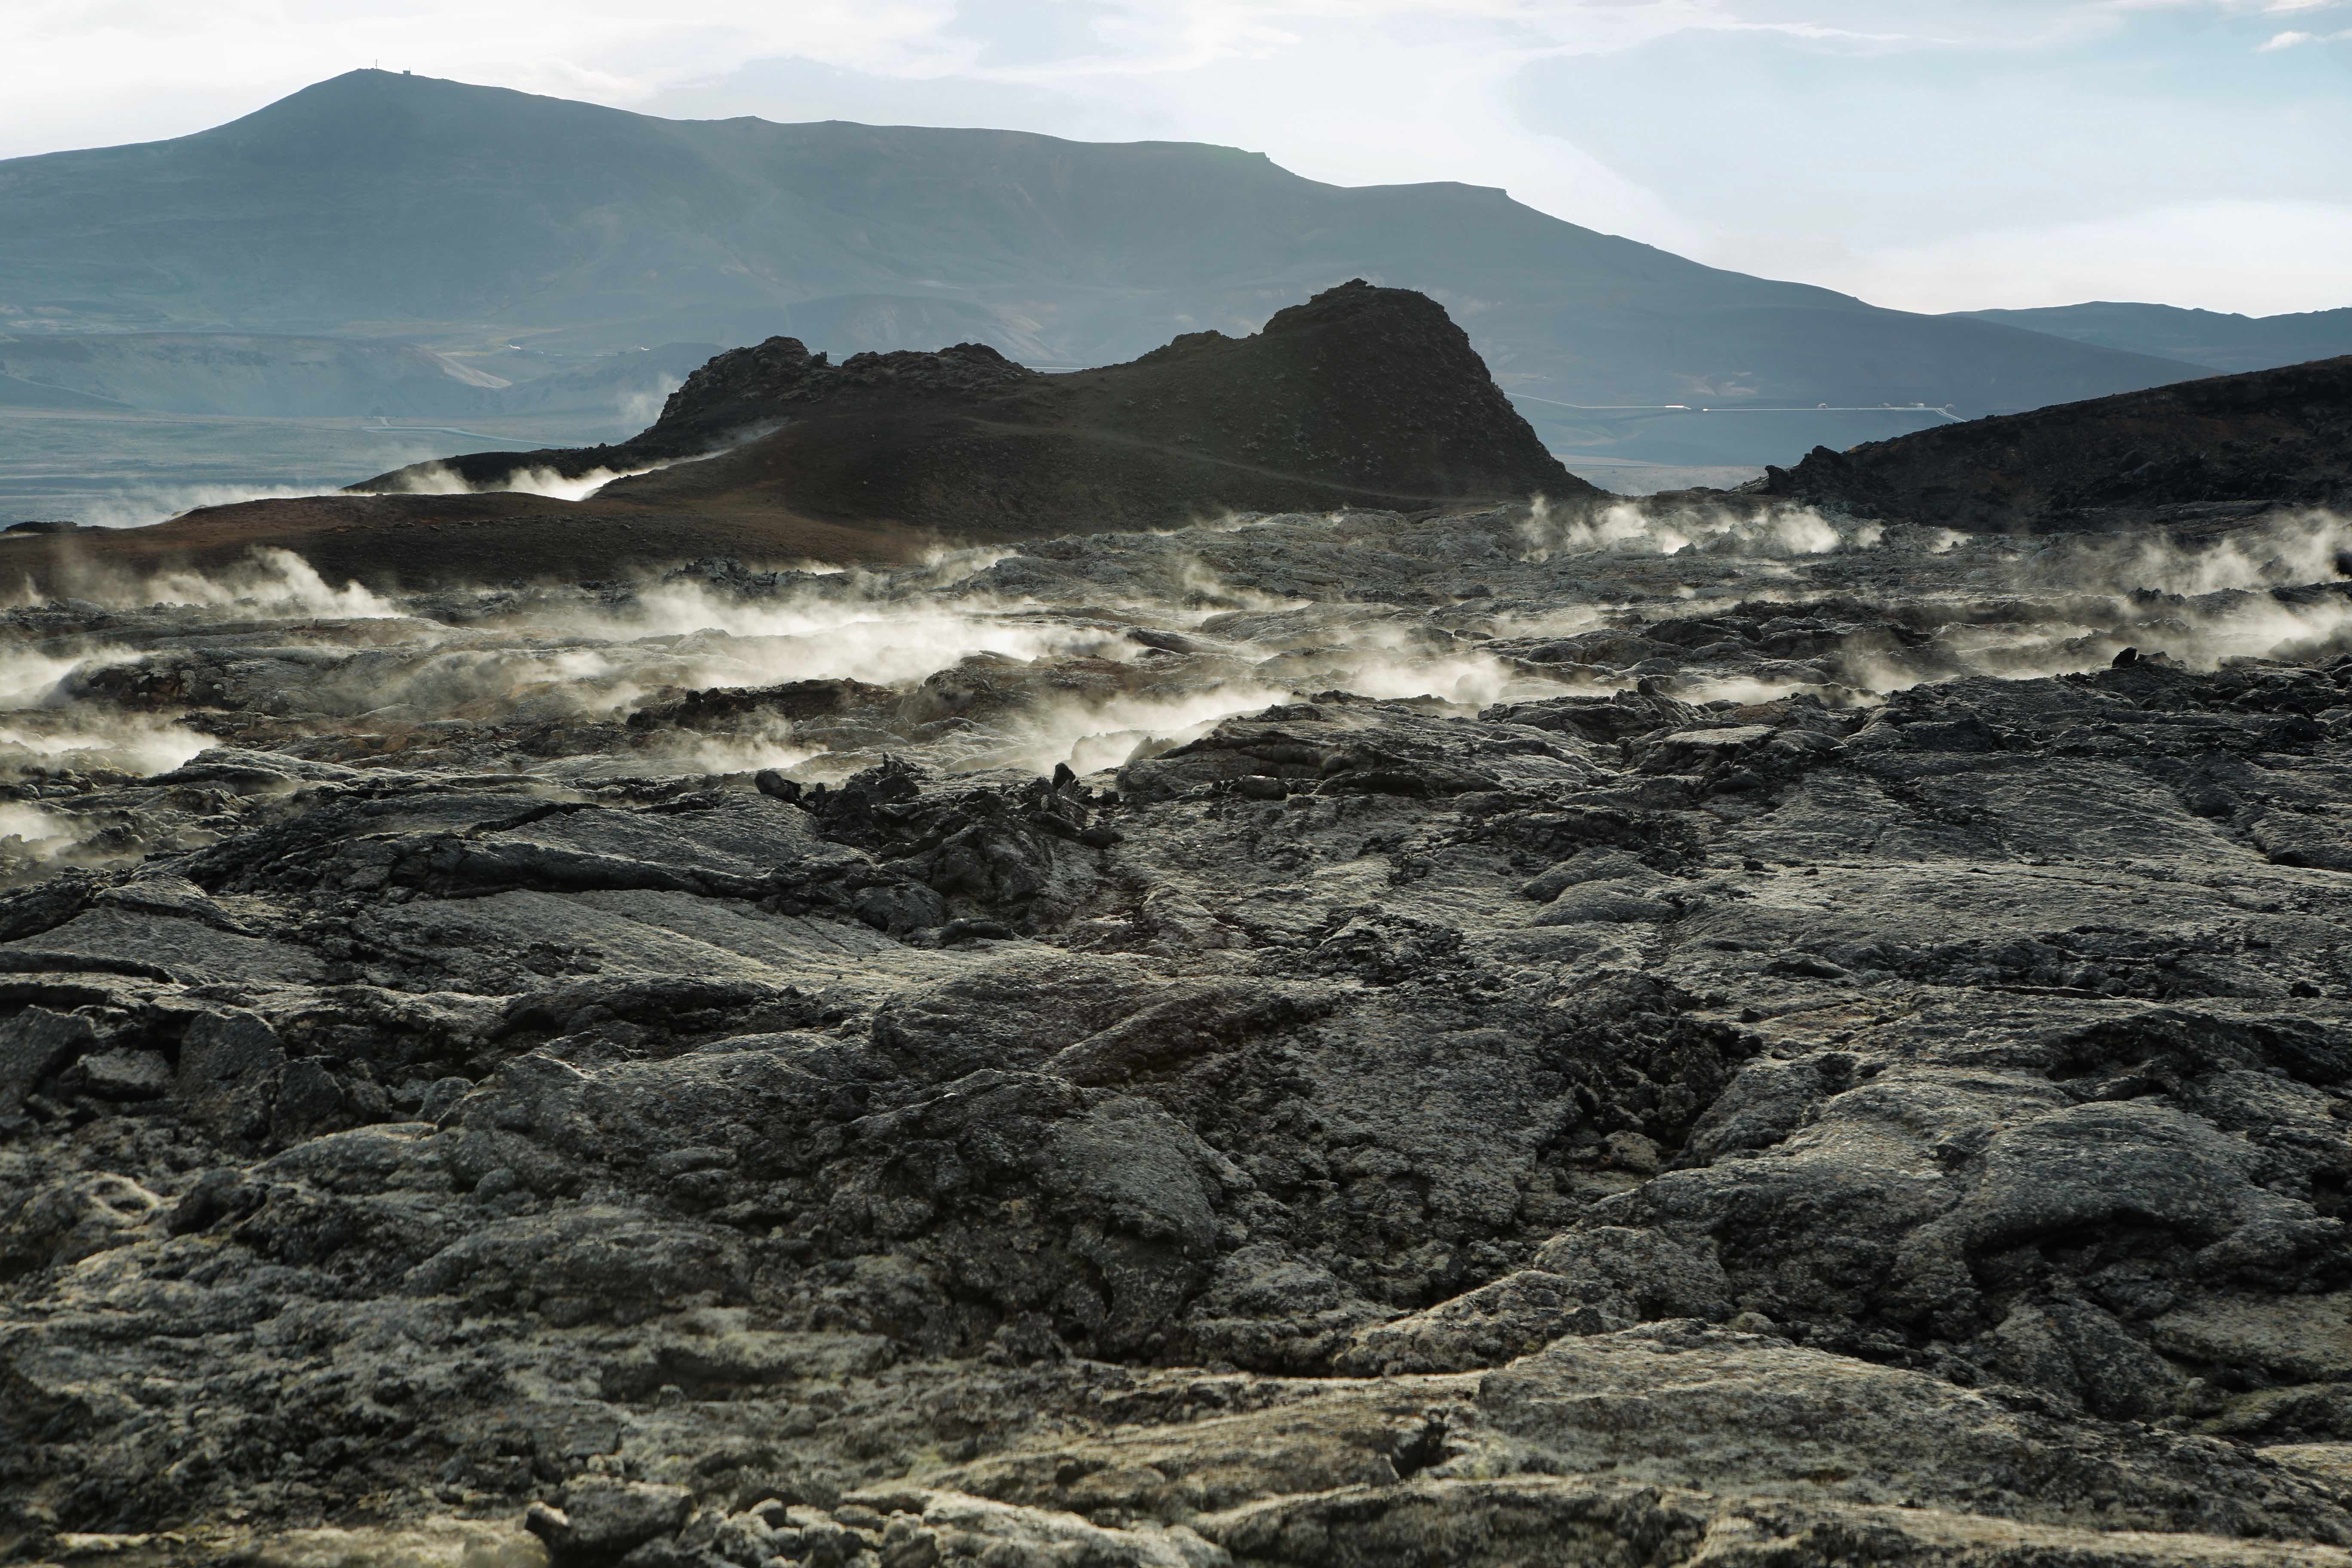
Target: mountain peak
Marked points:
457	214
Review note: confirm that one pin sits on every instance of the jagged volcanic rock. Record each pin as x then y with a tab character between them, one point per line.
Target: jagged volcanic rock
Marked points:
1360	396
743	392
1687	1035
2243	442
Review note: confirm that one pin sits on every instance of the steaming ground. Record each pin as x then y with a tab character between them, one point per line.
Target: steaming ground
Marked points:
1663	1033
435	479
128	470
1094	652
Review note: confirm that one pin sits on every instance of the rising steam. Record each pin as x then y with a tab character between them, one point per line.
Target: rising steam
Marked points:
440	480
269	582
1779	531
1092	652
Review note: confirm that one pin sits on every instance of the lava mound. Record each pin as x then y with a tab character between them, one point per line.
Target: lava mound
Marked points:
1362	397
2229	442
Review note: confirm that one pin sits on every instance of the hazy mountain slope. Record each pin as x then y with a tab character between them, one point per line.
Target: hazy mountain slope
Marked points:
283	377
376	203
220	372
2201	337
16	392
623	385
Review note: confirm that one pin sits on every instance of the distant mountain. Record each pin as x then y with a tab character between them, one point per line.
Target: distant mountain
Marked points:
463	218
2201	337
271	376
226	373
629	386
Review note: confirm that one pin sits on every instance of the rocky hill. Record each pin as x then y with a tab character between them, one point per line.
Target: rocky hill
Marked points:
1362	396
2250	442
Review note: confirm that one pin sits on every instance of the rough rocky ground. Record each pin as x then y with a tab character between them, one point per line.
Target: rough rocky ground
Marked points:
1663	1036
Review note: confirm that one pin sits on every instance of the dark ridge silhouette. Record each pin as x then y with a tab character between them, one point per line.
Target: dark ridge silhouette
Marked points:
2264	438
1361	397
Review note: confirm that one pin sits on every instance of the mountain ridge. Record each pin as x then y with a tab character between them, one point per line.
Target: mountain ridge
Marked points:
459	217
2225	341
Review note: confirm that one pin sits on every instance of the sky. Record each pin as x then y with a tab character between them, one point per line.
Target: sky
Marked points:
1926	155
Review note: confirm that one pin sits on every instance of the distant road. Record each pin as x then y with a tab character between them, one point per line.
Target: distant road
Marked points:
437	430
1693	408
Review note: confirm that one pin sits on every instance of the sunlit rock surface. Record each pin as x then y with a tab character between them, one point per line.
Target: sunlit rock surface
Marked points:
1710	1034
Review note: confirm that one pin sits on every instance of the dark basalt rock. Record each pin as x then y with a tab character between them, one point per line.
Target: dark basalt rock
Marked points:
1363	398
740	393
2188	453
1195	1047
1360	396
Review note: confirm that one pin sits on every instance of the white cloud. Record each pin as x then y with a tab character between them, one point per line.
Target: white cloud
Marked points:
1365	92
2260	258
2265	8
96	73
1889	190
79	73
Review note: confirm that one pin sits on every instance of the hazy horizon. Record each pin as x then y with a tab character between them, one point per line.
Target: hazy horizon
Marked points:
1925	156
